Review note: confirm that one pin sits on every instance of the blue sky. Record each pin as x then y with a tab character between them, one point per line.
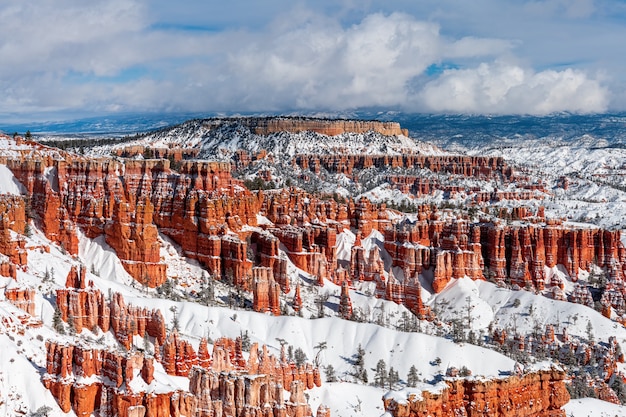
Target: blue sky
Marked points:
64	58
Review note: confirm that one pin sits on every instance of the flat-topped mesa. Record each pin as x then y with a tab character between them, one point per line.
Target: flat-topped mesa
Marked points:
330	127
538	394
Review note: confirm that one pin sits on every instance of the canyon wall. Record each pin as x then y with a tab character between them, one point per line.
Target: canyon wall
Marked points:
123	383
515	254
539	394
468	166
268	125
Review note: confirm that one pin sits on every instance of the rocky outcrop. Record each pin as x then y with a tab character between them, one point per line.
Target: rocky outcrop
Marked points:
516	254
89	381
265	291
130	202
23	298
13	224
83	306
467	166
540	394
268	125
134	237
178	356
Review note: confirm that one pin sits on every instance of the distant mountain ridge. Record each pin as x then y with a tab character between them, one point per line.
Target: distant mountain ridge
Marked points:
442	129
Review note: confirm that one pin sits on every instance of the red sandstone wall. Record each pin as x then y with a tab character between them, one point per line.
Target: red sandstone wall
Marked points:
540	394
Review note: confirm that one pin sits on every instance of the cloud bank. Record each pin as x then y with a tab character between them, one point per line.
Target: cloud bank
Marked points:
108	56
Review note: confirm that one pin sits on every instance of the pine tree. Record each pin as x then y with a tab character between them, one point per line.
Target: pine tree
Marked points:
589	331
57	322
245	341
175	323
330	374
620	388
412	377
320	347
394	378
319	302
300	357
380	378
70	323
360	373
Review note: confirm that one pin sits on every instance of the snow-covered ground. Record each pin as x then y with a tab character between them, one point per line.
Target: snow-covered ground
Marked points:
431	355
595	194
590	407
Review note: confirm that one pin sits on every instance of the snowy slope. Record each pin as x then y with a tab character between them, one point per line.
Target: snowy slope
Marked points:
220	138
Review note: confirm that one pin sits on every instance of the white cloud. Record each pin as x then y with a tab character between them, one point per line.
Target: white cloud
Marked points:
70	54
500	88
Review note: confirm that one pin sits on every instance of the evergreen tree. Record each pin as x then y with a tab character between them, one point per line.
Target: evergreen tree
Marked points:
300	357
394	378
320	347
620	388
360	373
43	411
380	377
330	374
589	331
245	341
70	324
465	371
57	322
319	302
175	323
412	377
146	343
579	388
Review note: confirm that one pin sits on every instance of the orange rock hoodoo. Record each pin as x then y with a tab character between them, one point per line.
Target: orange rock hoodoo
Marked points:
540	394
89	308
13	223
224	385
131	202
468	166
455	248
23	298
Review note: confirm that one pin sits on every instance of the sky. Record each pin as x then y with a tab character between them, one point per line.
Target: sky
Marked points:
69	58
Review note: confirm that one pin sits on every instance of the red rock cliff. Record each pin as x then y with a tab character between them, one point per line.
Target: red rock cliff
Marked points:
540	394
266	126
